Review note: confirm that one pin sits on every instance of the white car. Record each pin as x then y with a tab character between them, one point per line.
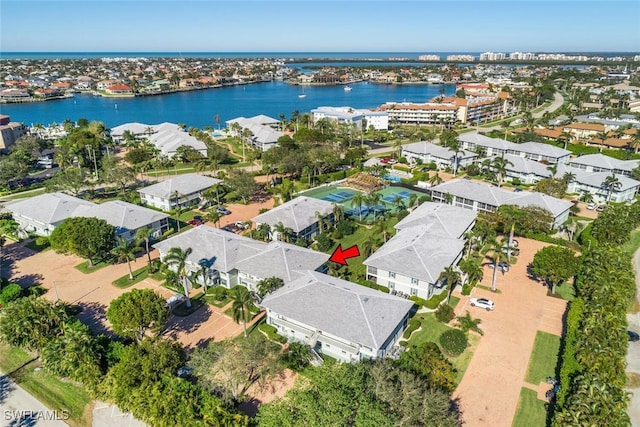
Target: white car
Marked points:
485	303
591	206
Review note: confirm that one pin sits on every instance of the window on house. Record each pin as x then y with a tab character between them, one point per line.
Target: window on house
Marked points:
414	291
392	274
414	281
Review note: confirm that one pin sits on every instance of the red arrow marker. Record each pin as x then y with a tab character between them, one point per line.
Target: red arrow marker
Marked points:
340	256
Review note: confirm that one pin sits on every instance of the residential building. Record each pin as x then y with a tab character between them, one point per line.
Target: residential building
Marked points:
483	197
42	214
430	113
10	132
233	260
429	240
496	147
127	218
301	215
352	116
119	89
166	137
601	163
427	152
264	133
584	130
338	318
182	190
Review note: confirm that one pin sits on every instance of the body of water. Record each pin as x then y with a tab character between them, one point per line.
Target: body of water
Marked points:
198	108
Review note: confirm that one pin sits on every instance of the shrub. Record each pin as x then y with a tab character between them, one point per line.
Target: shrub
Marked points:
168	233
42	242
337	235
10	293
345	227
413	325
324	242
219	292
453	342
272	333
419	301
402	214
444	313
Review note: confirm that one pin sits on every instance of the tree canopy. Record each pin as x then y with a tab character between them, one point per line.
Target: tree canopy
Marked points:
555	264
85	237
134	314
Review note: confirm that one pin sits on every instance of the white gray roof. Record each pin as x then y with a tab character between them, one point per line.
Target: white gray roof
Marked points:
523	165
497	196
424	147
169	140
283	260
134	128
416	252
352	312
260	119
184	184
296	214
122	215
605	162
439	219
219	249
596	179
485	141
49	208
541	149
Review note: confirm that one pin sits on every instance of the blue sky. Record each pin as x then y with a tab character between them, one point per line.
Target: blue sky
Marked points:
318	26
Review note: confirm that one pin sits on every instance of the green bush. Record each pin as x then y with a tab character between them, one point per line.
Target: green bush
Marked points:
346	227
445	313
402	214
413	325
168	233
10	293
42	242
219	292
372	285
324	242
419	301
569	366
453	342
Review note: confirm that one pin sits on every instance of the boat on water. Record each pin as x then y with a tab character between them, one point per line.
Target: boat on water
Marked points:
347	88
302	95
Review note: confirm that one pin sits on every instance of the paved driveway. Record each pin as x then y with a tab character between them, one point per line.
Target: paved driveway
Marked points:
489	390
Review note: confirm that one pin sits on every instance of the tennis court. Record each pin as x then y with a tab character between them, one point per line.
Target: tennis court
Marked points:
338	197
405	195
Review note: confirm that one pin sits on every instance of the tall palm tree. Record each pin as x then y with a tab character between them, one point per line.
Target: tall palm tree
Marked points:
242	306
125	251
374	200
144	235
413	199
454	146
436	179
200	274
358	200
499	166
451	276
176	258
611	183
213	216
497	256
398	202
338	212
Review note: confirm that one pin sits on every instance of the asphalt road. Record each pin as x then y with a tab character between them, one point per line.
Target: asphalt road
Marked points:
19	408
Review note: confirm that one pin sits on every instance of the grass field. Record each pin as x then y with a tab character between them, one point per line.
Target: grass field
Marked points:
544	357
86	269
51	391
138	276
531	411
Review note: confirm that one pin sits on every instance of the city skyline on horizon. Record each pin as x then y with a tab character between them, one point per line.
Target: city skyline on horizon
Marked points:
319	27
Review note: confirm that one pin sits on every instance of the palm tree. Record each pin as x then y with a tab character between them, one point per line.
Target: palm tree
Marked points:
413	199
201	274
322	221
381	230
144	235
467	323
177	258
455	147
126	251
436	179
398	202
213	216
263	230
358	200
499	166
369	246
248	225
497	256
611	183
471	268
242	306
338	212
451	276
374	200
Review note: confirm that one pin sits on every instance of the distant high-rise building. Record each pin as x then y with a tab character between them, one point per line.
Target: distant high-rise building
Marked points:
492	56
461	58
429	57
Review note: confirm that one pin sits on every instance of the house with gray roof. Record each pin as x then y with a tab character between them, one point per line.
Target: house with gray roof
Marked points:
494	147
182	190
483	197
233	260
263	129
299	214
338	318
43	213
127	218
429	239
166	137
427	152
601	163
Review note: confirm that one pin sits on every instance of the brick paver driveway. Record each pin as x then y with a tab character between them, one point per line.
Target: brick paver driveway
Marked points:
94	291
488	393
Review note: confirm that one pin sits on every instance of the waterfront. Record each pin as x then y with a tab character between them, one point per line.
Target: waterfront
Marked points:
198	108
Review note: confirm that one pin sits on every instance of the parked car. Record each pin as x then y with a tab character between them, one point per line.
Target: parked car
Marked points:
485	303
195	222
175	300
502	266
600	208
591	206
511	250
633	336
223	211
241	225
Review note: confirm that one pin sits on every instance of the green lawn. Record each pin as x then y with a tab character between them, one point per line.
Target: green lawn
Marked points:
566	291
632	245
210	299
544	357
51	391
138	276
462	362
531	411
84	266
